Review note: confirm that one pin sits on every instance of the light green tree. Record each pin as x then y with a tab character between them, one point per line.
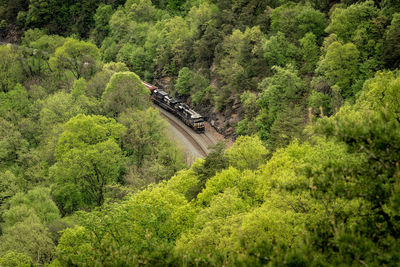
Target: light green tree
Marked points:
10	69
310	52
58	108
54	112
37	49
12	143
239	64
153	157
194	84
45	44
79	57
125	90
248	124
29	237
320	103
15	103
247	153
371	137
381	92
284	88
241	59
88	169
35	202
340	67
295	20
345	21
114	67
231	179
15	259
142	229
142	10
183	83
203	23
145	131
278	51
88	159
83	130
287	126
215	162
175	51
79	88
8	186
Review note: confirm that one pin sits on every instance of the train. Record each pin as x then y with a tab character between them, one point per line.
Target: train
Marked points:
181	110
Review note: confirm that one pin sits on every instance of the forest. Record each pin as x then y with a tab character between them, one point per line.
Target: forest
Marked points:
309	90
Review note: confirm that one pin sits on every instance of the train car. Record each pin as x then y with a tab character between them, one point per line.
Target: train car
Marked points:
190	117
165	101
150	87
181	110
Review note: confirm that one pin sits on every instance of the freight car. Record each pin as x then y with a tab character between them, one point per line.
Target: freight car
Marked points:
190	117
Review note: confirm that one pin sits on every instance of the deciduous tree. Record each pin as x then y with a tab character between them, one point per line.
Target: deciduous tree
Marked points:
284	88
391	52
247	153
10	68
340	67
15	259
79	57
88	159
125	90
29	237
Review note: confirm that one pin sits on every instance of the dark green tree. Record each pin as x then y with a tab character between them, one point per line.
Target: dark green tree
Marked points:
102	29
391	50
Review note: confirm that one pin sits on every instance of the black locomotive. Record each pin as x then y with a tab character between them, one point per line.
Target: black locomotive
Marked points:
190	117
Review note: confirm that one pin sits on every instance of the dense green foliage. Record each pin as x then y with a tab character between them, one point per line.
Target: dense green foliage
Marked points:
88	176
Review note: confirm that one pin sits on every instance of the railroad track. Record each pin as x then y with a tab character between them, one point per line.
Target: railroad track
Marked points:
200	142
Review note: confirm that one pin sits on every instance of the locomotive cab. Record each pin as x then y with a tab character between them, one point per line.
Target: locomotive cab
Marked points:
190	117
198	123
183	111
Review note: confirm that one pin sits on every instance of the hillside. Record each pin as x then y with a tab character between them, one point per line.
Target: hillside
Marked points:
309	89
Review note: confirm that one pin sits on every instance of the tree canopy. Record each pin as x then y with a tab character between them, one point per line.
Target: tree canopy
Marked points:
125	90
88	158
305	95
